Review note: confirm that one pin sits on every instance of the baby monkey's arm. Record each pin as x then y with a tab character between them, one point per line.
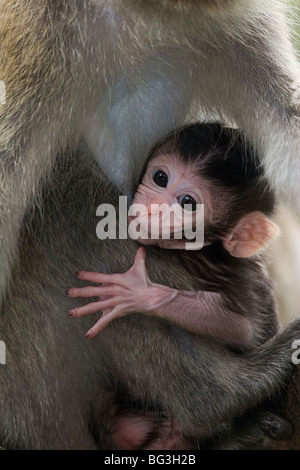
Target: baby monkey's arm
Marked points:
121	294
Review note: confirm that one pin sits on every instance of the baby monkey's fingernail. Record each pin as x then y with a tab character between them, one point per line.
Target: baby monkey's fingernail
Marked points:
71	313
67	291
77	274
88	335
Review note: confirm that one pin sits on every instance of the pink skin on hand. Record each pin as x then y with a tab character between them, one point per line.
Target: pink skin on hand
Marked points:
123	294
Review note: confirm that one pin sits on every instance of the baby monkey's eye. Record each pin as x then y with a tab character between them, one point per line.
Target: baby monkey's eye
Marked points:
160	178
189	201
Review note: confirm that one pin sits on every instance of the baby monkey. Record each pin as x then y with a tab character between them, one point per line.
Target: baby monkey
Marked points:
212	165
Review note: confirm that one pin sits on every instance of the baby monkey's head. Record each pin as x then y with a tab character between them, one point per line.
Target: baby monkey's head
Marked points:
214	166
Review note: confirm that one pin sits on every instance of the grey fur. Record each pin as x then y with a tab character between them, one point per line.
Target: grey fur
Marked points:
56	388
123	73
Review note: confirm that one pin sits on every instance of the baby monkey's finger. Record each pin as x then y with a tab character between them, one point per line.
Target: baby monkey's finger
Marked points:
101	324
99	278
90	291
93	291
93	307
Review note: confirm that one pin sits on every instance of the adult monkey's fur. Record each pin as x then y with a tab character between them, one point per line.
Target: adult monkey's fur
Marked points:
123	73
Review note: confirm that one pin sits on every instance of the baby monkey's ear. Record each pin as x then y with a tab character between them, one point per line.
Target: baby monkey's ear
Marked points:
250	235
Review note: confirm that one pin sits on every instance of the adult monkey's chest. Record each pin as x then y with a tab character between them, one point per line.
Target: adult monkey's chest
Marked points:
153	63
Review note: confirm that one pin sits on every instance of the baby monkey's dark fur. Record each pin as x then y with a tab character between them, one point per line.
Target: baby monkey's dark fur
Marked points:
224	159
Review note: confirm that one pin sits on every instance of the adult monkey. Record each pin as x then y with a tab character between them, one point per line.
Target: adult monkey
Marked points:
60	391
123	73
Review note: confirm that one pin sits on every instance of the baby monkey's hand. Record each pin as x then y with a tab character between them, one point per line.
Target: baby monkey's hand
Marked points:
120	294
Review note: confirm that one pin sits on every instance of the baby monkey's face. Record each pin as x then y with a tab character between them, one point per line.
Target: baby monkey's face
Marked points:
169	184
